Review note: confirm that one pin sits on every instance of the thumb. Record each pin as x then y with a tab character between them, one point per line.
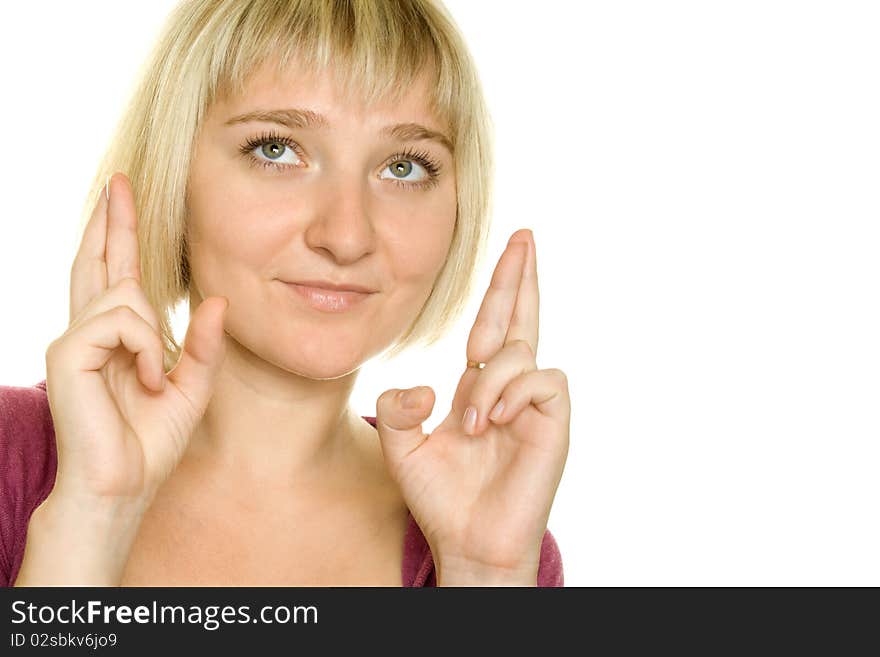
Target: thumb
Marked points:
399	417
203	352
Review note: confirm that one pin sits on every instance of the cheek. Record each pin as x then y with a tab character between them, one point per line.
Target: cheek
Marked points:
419	235
223	221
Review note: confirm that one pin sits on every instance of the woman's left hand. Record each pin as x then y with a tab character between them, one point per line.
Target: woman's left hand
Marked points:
482	497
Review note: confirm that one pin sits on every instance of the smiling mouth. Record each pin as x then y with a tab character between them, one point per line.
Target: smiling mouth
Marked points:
332	287
330	301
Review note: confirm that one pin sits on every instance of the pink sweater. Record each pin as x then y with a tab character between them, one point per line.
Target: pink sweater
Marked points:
27	475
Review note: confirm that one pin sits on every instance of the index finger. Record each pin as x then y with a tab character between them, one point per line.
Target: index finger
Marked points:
490	329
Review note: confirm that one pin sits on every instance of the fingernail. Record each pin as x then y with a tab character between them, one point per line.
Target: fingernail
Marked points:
497	411
470	420
107	187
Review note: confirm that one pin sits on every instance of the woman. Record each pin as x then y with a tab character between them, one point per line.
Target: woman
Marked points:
275	150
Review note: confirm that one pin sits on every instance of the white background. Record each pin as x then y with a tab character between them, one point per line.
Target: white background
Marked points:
702	182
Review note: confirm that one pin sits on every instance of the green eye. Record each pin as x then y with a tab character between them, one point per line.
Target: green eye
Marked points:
401	168
412	169
272	149
407	171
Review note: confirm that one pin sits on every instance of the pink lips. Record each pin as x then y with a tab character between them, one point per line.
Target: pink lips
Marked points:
325	300
327	285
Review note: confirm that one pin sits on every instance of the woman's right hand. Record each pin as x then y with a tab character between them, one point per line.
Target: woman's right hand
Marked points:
121	424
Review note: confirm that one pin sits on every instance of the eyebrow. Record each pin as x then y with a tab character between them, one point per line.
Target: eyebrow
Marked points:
302	118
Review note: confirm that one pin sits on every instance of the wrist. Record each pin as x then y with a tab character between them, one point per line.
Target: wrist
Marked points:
79	541
101	517
456	572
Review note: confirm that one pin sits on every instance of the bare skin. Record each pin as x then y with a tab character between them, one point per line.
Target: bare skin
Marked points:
197	532
280	411
278	440
244	464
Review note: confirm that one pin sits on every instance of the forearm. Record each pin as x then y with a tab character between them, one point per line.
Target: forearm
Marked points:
78	542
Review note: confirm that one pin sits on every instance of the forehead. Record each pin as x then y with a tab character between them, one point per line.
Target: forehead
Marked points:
321	92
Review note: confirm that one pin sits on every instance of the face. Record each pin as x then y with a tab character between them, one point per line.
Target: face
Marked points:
331	193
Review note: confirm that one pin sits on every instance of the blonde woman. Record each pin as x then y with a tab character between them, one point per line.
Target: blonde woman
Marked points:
313	177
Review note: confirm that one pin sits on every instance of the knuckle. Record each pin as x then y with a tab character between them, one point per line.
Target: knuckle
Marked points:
515	385
560	376
136	298
55	352
129	283
124	311
52	349
489	327
522	346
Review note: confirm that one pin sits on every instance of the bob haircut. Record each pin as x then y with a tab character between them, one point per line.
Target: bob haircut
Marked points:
376	48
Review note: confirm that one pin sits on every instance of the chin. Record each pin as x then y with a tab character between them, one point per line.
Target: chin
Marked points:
322	367
325	373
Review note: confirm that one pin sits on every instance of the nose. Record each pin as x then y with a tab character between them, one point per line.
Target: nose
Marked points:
341	225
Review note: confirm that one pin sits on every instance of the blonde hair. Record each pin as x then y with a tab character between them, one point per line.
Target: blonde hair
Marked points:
376	48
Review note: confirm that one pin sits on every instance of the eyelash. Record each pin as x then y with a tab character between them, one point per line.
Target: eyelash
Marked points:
431	166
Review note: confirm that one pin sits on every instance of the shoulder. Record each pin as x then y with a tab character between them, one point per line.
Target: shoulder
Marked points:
27	466
27	433
26	427
22	403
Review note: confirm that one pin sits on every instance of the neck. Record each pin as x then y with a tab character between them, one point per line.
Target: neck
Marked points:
267	425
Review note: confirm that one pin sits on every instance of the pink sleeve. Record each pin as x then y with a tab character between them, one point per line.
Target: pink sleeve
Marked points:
27	468
550	566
